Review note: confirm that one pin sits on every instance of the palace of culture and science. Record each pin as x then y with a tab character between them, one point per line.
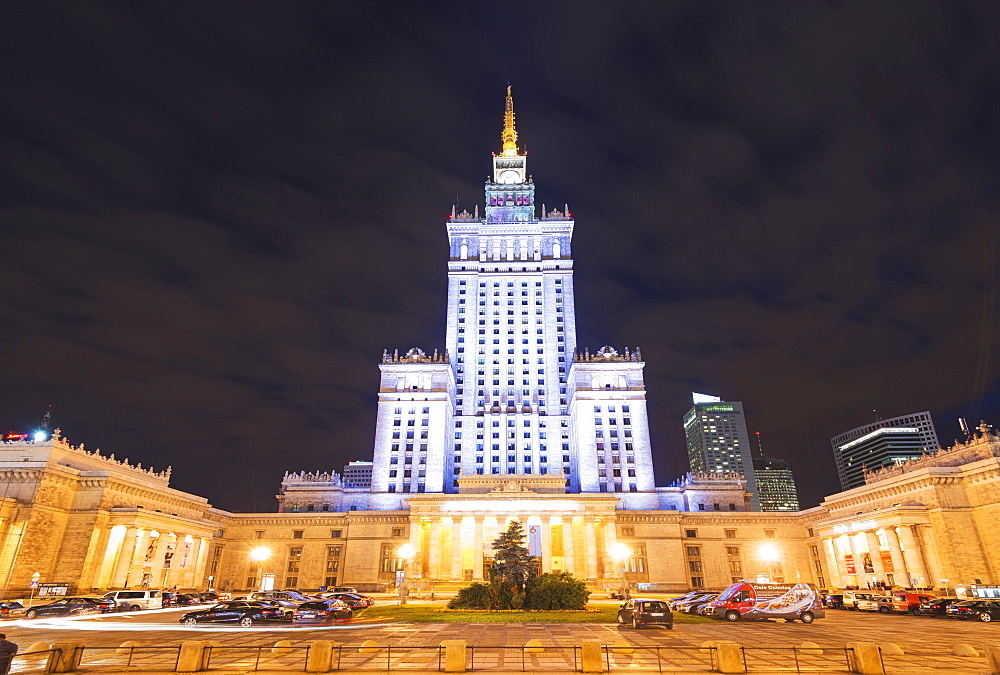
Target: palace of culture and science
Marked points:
509	420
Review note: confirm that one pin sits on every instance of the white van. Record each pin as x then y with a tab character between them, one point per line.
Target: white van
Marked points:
132	601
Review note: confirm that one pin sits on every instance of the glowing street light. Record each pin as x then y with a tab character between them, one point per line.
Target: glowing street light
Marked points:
259	555
40	437
620	553
406	553
770	555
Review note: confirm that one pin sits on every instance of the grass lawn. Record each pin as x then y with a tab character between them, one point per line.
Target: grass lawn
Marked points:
427	614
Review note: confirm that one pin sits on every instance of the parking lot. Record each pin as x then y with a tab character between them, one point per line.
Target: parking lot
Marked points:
926	641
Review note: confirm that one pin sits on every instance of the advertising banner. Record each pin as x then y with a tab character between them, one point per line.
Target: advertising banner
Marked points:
849	559
866	562
887	562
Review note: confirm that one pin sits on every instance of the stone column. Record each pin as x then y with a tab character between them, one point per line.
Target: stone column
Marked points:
104	558
201	562
591	528
434	550
847	544
120	577
419	562
156	565
569	562
901	572
873	551
612	568
546	532
913	556
477	549
832	563
935	568
456	548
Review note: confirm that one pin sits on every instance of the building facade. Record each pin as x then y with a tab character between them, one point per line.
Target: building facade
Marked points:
717	440
880	444
510	420
776	484
928	522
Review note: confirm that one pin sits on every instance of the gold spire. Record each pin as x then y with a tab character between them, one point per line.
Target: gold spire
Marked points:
509	136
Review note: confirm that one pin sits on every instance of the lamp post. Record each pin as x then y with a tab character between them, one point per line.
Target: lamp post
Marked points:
259	555
406	553
770	555
620	553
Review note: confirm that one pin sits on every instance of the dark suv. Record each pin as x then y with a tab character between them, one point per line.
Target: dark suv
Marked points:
641	613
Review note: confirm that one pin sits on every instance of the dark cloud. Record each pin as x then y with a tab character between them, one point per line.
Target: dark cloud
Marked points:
215	217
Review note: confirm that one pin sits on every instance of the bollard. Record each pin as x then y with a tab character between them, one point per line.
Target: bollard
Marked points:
533	647
126	648
992	654
193	656
810	649
368	647
727	657
591	658
320	658
454	656
961	649
65	658
891	649
863	658
281	647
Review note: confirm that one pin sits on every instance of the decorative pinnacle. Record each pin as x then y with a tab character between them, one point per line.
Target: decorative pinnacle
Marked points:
509	136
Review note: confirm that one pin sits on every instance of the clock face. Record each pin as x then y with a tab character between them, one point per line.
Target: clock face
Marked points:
510	177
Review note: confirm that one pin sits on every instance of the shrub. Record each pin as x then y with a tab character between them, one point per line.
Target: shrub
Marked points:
495	595
556	591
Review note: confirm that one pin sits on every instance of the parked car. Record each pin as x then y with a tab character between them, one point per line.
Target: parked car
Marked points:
244	613
133	601
682	606
986	612
905	602
321	612
342	589
834	601
851	598
877	603
672	602
639	613
699	606
287	606
353	600
751	600
937	606
294	596
9	610
966	609
70	607
185	600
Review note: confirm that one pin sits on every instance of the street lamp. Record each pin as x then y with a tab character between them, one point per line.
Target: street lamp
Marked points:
620	553
259	555
769	554
406	553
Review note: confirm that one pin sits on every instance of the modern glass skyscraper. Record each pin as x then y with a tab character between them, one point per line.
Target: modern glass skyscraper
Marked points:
510	395
776	484
882	443
717	441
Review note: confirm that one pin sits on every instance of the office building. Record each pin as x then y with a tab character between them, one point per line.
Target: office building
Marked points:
357	474
880	444
776	484
717	440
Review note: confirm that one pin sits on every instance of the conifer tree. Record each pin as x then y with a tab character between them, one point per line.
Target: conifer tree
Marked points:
511	560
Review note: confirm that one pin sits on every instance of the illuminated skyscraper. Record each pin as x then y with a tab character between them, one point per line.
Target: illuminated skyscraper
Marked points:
776	484
510	395
882	443
717	440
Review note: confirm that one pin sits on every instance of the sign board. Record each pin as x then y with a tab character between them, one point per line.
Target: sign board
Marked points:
849	559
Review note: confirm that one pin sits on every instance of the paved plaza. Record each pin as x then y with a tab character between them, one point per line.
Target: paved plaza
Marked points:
927	644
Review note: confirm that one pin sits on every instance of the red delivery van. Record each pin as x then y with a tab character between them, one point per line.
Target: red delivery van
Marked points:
752	600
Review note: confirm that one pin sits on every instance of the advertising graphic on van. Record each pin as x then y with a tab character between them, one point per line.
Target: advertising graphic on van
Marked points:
750	600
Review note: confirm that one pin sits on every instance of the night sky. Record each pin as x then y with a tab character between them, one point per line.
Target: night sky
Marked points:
216	215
